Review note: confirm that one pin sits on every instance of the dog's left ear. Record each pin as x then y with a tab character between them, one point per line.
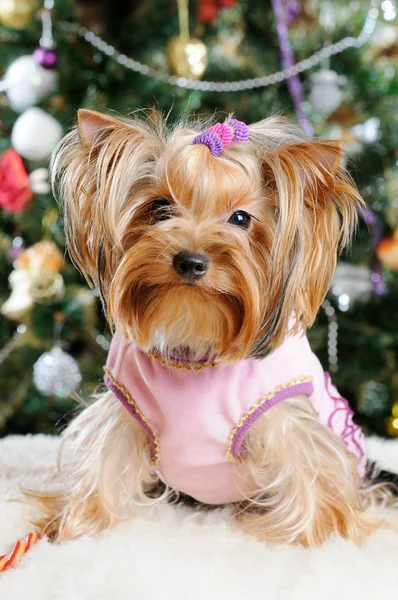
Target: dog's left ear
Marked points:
92	125
314	203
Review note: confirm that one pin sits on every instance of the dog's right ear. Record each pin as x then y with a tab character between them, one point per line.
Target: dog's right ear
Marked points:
94	125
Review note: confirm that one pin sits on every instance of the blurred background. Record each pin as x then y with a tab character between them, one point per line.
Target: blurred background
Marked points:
121	55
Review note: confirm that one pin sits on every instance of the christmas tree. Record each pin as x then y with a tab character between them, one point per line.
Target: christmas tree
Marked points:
331	65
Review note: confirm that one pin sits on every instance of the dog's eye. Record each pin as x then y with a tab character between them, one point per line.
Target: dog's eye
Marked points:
241	219
161	209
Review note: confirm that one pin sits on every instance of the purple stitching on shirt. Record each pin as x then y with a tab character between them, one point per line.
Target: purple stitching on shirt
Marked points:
306	388
120	396
350	429
211	140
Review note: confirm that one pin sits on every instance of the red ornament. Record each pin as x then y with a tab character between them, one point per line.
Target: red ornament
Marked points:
208	9
15	192
226	3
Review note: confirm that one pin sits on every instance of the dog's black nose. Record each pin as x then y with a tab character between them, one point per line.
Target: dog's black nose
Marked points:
190	266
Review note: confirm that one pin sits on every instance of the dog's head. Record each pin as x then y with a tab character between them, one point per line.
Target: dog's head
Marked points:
202	254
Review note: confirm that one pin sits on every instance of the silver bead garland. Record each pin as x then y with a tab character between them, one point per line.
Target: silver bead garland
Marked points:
230	86
332	335
220	86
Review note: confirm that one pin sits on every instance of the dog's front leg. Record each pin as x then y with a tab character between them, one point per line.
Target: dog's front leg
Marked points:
107	472
308	487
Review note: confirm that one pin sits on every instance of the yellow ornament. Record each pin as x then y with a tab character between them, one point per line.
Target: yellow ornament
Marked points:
17	13
187	57
43	257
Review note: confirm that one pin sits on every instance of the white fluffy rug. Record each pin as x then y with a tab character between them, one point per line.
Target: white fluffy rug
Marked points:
179	554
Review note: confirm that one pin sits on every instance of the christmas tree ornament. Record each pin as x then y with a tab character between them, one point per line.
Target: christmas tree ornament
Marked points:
38	181
187	56
27	82
56	373
326	95
17	13
367	132
35	134
207	10
35	278
31	78
42	257
392	421
351	283
20	301
387	252
15	190
45	55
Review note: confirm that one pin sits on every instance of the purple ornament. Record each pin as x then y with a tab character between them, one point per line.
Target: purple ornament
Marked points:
45	57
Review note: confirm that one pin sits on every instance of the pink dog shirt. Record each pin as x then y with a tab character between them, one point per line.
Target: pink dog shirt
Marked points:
197	420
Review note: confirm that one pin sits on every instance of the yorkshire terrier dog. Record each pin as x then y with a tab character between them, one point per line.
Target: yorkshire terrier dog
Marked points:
212	247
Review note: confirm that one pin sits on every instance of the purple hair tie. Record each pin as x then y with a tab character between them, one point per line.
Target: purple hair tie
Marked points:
220	135
211	140
241	130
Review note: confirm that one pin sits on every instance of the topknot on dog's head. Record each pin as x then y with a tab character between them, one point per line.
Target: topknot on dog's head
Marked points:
264	218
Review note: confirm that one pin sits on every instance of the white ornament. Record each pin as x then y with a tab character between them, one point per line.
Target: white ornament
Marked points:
325	93
367	132
351	283
20	300
35	134
27	83
56	373
38	181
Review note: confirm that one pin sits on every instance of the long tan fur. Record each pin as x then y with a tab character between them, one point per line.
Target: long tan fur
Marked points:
308	483
105	471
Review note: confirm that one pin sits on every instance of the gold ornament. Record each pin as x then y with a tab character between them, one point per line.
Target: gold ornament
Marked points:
187	56
17	13
392	422
41	257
